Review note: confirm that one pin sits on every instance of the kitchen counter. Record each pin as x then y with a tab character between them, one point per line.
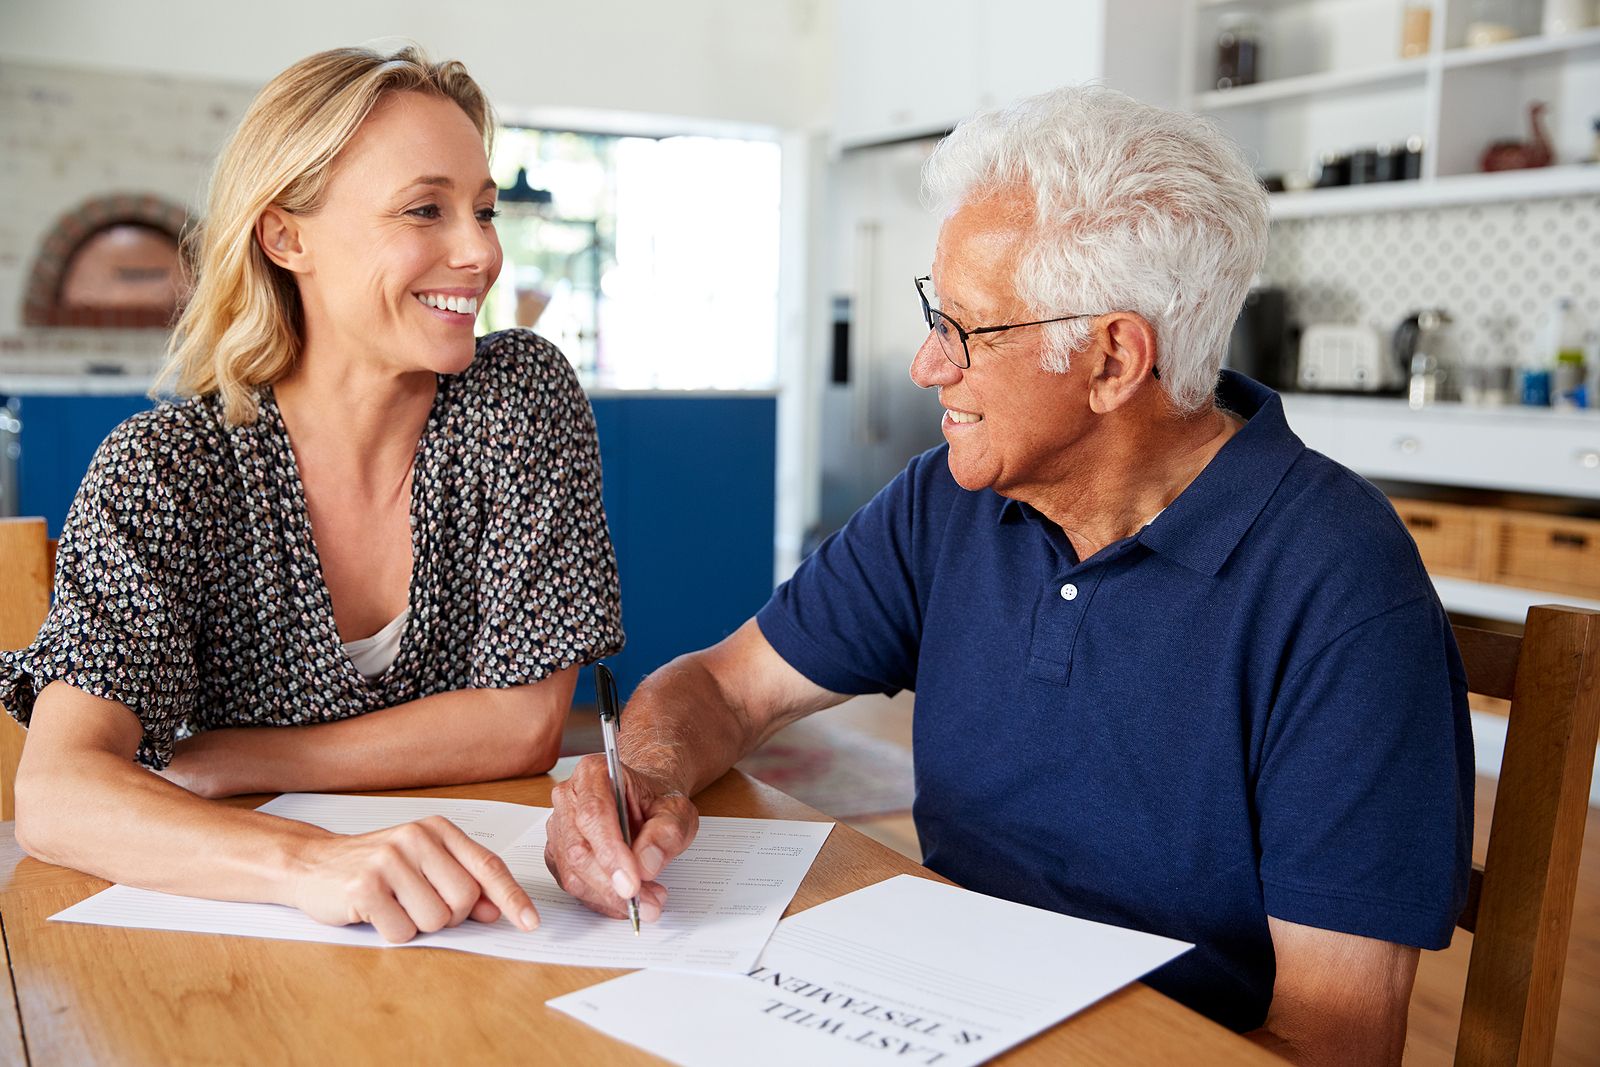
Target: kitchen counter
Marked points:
1396	407
1507	449
75	384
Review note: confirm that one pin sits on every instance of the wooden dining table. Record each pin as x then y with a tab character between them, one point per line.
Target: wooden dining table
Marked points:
83	994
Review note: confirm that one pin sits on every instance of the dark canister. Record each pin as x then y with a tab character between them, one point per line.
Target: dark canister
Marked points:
1333	169
1391	163
1363	166
1238	50
1411	165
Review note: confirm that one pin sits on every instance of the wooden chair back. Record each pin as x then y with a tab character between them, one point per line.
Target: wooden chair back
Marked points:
26	565
1519	909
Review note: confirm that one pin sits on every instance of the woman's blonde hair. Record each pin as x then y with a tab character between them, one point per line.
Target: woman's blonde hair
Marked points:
243	325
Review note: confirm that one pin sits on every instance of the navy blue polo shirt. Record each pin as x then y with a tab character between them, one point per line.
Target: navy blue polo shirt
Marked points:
1254	706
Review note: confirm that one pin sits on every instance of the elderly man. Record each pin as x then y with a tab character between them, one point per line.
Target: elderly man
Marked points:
1173	670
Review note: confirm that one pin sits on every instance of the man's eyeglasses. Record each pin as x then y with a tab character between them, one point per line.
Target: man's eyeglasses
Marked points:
953	336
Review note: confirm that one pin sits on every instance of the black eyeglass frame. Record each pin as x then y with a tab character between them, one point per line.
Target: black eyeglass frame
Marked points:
929	311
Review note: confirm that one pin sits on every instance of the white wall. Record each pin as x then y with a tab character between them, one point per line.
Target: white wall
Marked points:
68	136
746	61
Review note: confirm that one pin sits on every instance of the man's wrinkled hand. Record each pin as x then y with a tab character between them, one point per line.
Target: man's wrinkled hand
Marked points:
584	848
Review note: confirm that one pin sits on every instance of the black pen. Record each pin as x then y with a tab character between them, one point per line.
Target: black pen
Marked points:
606	689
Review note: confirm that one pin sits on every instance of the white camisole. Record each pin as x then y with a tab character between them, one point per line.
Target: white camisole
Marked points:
373	655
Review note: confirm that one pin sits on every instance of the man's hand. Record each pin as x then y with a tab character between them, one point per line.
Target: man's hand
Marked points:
584	848
419	876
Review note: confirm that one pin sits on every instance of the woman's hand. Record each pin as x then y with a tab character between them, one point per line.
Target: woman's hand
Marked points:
420	876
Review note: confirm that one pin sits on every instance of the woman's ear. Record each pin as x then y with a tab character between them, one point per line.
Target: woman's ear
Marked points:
278	233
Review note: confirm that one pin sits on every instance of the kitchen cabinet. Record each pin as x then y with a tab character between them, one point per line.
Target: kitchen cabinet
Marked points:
58	436
1519	450
1332	80
907	70
689	486
1505	450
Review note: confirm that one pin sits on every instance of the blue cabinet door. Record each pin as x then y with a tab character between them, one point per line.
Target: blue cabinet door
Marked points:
58	438
690	496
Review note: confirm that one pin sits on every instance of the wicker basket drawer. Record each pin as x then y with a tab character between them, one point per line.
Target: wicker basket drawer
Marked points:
1454	541
1549	552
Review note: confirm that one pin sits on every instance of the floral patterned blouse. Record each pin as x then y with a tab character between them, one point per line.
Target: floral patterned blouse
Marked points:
188	586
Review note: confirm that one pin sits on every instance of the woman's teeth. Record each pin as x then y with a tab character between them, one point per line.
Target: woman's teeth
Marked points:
461	305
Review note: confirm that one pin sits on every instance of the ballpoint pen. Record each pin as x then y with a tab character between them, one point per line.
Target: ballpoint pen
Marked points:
606	689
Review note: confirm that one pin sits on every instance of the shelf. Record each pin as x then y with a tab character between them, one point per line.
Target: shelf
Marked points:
1503	602
1520	50
1267	92
1524	48
1451	189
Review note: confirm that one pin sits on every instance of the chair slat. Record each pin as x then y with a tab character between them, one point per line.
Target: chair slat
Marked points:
1491	660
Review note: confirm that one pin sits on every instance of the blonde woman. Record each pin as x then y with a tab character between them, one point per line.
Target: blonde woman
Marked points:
367	552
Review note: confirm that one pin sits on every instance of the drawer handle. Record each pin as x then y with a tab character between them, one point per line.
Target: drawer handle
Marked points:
1408	445
1421	522
1568	540
1588	458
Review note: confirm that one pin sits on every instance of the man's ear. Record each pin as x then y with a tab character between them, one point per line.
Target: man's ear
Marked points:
278	234
1125	360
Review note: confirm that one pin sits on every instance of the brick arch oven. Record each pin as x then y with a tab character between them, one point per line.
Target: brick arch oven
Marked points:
112	262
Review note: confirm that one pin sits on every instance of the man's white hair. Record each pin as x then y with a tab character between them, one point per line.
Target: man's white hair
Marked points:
1136	208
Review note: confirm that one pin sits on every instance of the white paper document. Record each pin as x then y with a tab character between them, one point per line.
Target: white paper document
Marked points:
726	891
908	971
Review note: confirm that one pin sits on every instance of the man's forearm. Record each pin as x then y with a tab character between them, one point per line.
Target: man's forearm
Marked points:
470	735
680	728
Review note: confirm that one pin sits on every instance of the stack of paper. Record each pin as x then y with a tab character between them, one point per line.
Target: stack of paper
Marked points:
907	971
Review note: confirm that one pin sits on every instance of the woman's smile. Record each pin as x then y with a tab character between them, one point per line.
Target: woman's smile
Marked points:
450	306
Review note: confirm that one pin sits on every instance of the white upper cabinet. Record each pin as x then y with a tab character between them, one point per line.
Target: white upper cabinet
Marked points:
912	69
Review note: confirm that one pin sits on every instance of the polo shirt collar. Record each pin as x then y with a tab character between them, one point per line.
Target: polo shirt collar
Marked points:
1202	527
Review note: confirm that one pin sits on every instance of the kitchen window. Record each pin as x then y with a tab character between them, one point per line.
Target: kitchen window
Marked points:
651	262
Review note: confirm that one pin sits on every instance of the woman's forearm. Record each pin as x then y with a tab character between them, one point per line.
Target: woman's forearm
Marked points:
83	803
470	735
97	811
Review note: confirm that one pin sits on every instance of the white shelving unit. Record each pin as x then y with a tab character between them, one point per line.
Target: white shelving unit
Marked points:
1332	81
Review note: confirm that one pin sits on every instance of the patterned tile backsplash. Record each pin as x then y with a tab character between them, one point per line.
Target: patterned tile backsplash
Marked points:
1496	268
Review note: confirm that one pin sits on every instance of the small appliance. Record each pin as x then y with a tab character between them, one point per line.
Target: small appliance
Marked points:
1260	345
1347	359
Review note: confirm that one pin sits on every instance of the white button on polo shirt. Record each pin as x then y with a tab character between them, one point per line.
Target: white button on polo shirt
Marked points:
1069	592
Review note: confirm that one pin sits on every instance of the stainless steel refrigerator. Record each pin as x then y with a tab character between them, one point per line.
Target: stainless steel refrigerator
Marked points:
880	237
